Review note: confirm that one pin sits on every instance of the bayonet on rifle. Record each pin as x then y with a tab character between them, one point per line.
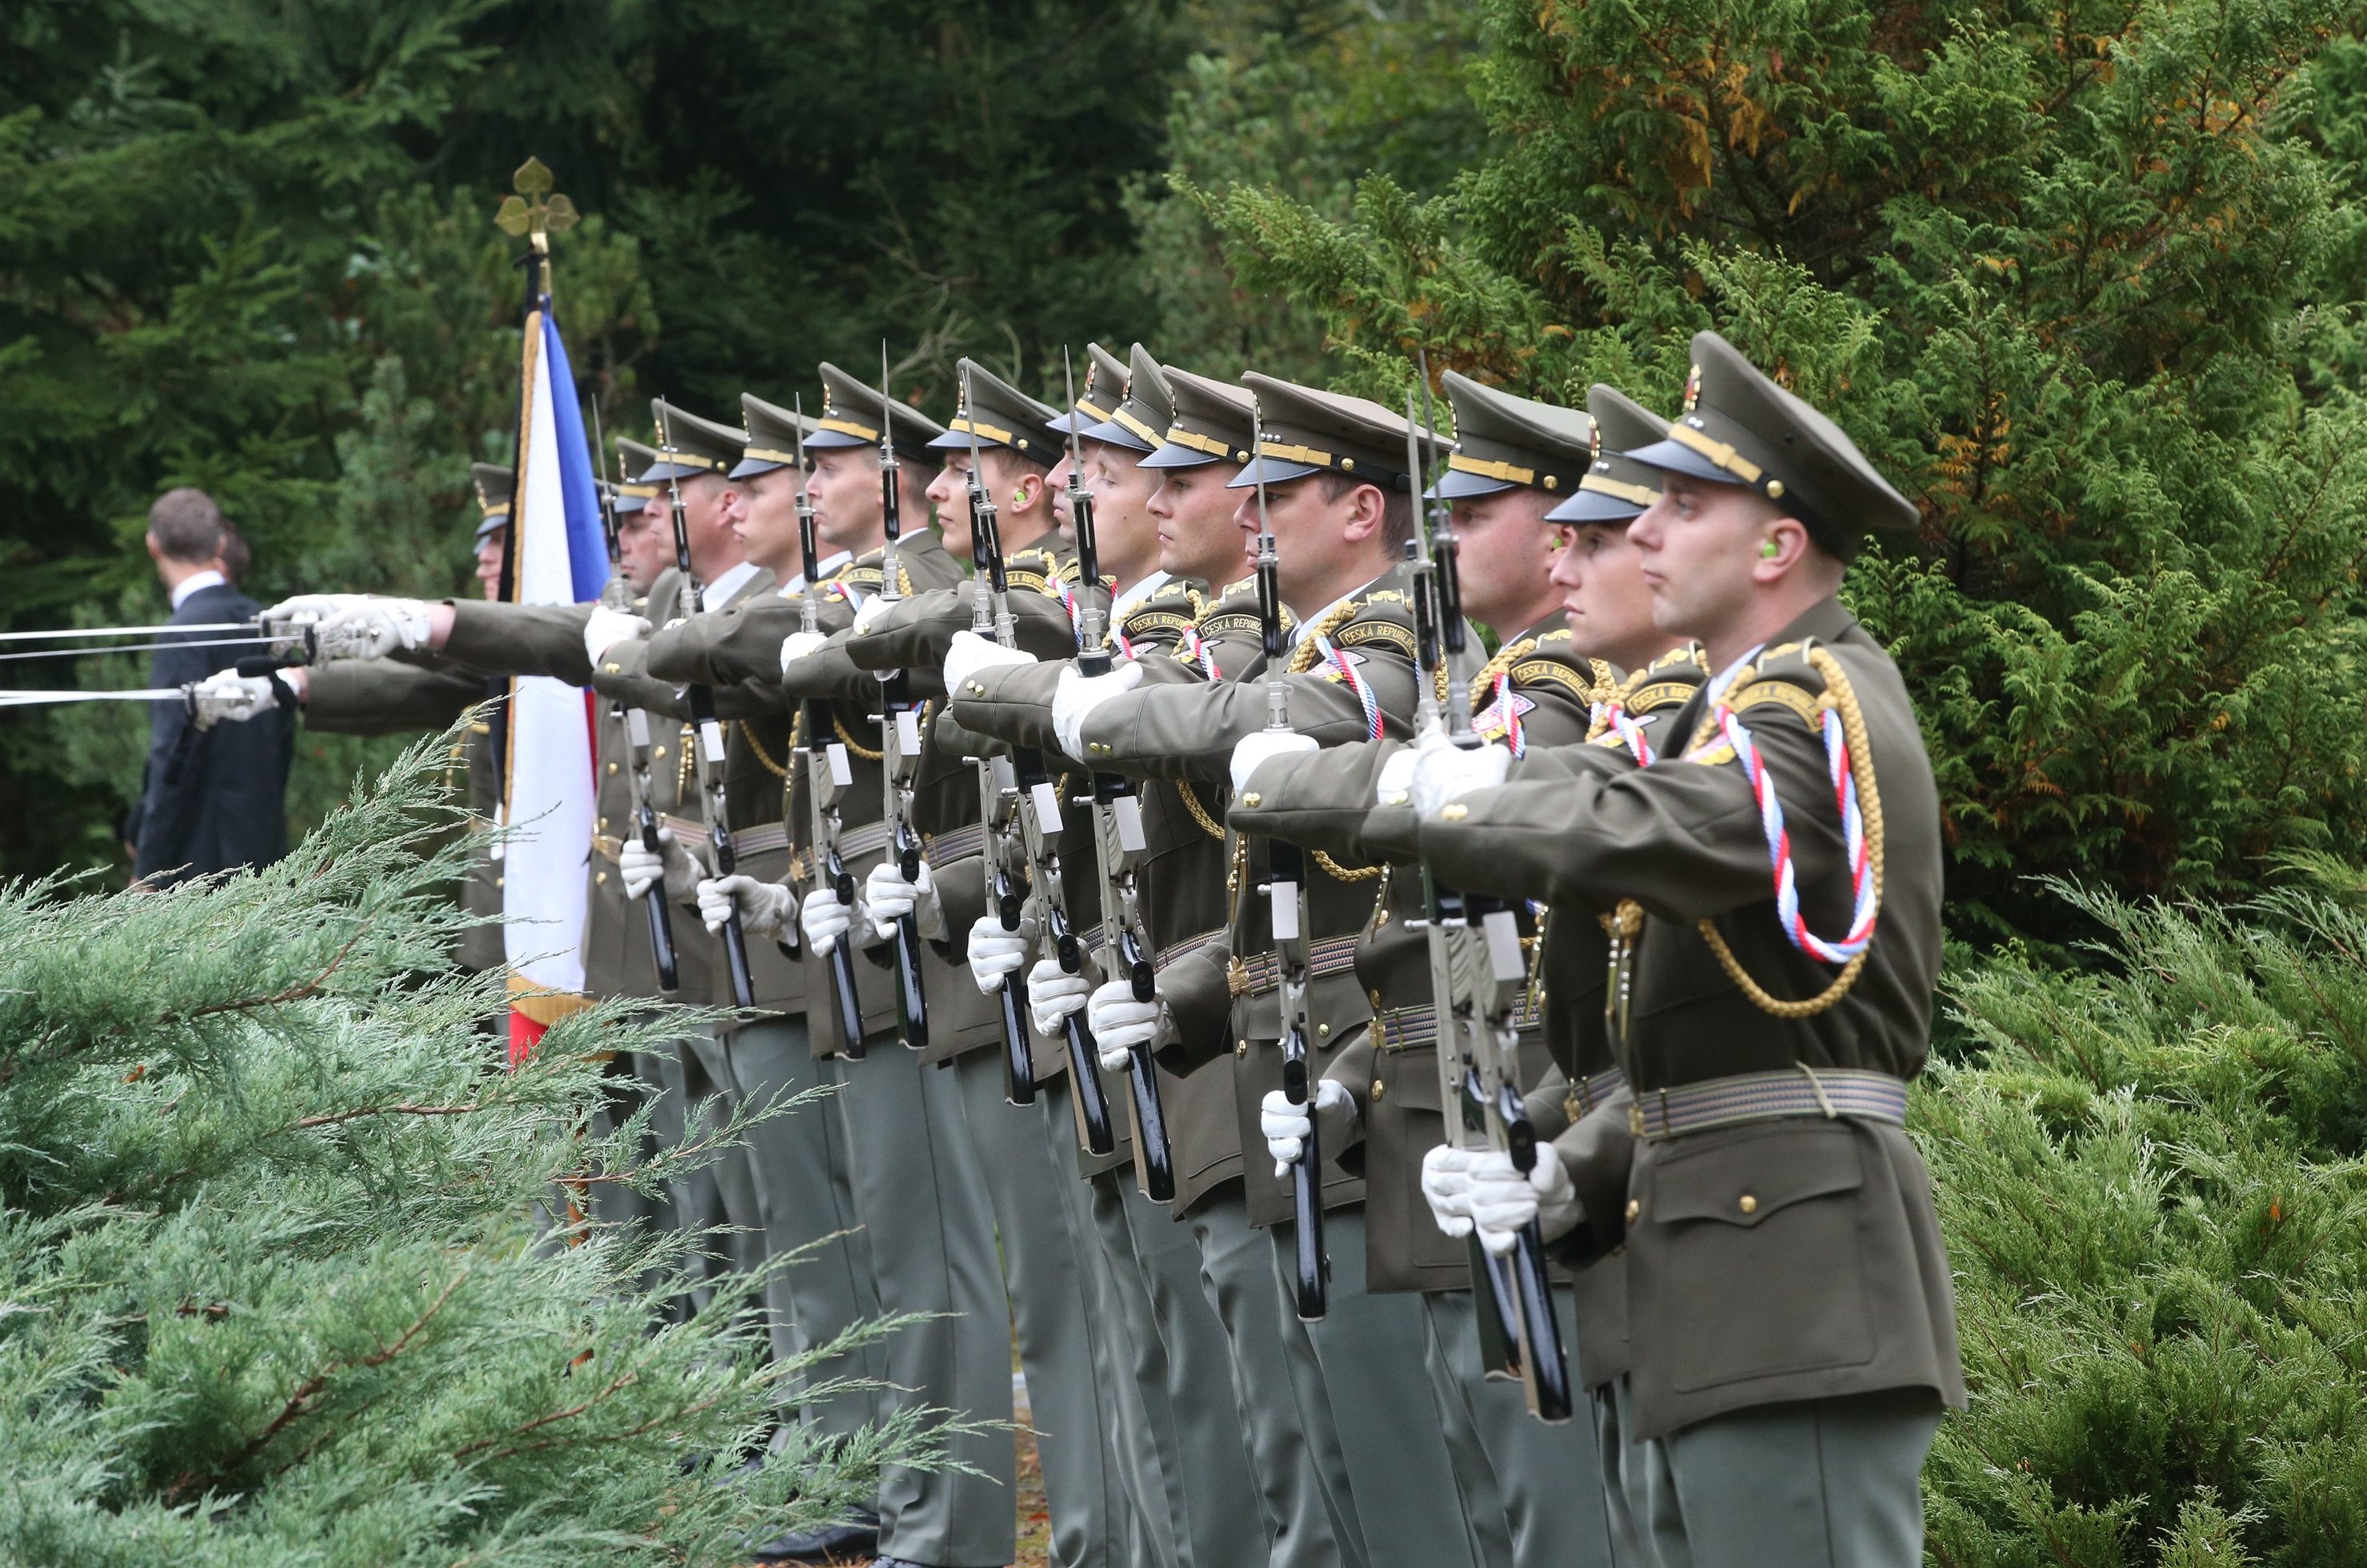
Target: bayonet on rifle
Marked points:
1285	889
618	596
900	743
709	737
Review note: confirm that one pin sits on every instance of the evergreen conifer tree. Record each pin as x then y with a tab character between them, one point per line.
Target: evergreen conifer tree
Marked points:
270	1292
2080	282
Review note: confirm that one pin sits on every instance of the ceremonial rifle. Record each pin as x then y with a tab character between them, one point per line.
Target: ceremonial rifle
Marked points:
701	701
1118	844
618	596
1004	855
828	776
1478	975
900	744
1285	891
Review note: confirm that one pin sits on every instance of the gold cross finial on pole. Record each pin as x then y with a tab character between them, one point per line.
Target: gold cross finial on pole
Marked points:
535	211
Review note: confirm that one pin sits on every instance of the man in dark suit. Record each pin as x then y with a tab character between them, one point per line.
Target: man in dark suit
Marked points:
225	805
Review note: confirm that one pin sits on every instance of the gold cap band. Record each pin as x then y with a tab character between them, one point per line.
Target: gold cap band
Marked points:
1718	452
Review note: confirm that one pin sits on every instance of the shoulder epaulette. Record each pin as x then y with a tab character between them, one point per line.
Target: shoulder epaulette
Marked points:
1235	613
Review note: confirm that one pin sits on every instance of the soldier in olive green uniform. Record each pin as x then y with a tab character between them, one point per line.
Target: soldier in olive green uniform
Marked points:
1513	461
1265	1357
1792	1322
920	1192
1335	469
1192	1505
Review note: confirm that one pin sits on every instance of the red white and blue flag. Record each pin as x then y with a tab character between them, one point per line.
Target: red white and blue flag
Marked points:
558	555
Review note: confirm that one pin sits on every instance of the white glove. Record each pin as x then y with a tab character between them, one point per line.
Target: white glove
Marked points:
797	645
1053	993
1079	695
1446	773
871	610
641	869
1503	1200
1446	1184
1395	786
226	694
308	610
606	628
888	898
971	654
375	628
996	954
823	919
764	907
1262	746
1285	1125
1119	1022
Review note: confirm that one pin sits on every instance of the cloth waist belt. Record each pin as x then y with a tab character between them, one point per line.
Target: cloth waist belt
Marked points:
853	841
1768	1096
1591	1089
748	841
764	836
1164	956
944	848
1257	975
1416	1028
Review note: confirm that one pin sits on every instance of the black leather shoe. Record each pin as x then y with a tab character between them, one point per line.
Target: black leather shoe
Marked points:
856	1537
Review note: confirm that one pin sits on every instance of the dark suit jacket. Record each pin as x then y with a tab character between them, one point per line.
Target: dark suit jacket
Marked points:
227	807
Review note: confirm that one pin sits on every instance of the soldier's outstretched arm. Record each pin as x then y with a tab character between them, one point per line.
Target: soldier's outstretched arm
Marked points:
378	697
1684	836
1189	731
727	647
1324	801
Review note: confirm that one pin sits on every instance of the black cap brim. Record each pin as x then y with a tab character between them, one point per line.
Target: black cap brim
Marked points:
490	525
1270	472
834	440
1456	485
1175	454
1110	433
1677	458
749	466
1593	506
663	471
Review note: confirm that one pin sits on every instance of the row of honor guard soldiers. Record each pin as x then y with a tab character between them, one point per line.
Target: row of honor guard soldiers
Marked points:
1408	1105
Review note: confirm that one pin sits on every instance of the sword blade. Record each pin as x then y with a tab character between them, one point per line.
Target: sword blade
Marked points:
127	631
38	699
253	641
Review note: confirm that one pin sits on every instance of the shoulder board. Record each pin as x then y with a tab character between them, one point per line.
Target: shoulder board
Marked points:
1690	653
1781	694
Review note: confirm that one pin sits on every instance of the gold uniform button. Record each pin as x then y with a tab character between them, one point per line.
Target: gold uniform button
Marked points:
1454	810
499	881
1634	1207
1374	994
614	669
1251	799
1379	1089
604	825
1747	1204
612	767
1241	1048
657	751
598	877
1322	1031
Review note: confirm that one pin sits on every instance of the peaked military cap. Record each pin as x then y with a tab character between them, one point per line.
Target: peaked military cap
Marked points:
1503	441
632	492
773	433
1211	424
689	446
1310	431
1616	488
850	417
496	483
1739	427
1138	423
1104	385
1000	415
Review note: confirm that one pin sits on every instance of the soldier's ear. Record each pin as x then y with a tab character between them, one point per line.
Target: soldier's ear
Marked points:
1368	514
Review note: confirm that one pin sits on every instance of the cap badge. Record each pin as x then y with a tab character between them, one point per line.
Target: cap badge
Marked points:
1692	390
1593	443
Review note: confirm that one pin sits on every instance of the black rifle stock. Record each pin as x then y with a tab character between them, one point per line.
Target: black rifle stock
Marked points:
1118	844
708	738
899	741
829	773
998	788
1285	889
1474	1002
